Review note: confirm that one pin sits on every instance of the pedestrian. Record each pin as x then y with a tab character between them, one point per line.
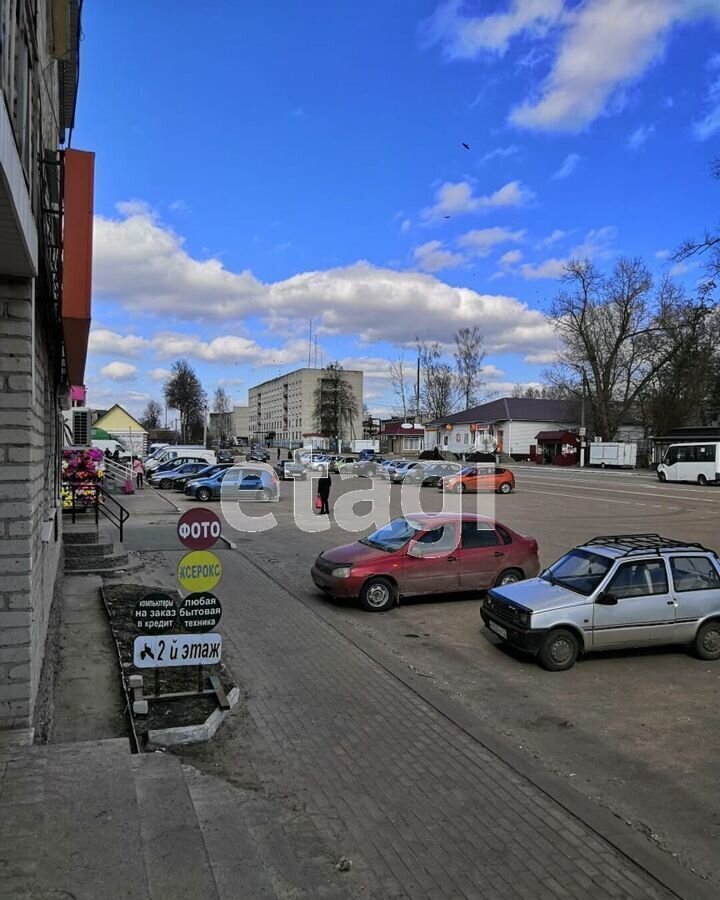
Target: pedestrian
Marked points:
289	454
108	454
278	456
139	471
324	483
116	455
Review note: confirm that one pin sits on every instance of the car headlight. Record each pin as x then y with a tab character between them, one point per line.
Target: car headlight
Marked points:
524	619
341	572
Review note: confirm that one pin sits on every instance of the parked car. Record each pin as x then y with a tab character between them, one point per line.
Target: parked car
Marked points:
336	462
480	478
631	590
180	481
165	480
252	484
432	473
426	553
288	469
172	465
226	456
257	454
388	467
399	473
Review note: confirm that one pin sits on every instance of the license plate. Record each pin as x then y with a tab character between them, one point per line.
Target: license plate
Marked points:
498	629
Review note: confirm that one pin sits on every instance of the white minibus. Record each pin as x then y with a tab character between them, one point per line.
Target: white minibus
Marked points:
691	462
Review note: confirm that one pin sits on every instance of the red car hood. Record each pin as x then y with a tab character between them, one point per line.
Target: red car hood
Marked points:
353	553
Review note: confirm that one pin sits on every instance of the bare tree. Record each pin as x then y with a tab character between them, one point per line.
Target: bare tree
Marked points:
438	385
151	418
618	333
222	406
469	356
401	386
707	248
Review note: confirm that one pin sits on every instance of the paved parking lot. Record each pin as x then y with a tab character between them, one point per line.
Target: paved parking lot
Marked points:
636	730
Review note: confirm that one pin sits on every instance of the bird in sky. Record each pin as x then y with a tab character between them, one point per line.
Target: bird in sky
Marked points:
466	146
446	217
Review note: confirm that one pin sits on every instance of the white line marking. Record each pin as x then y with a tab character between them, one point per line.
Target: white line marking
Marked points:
599	499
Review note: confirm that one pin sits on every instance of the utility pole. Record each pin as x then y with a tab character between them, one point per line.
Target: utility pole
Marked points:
582	424
417	391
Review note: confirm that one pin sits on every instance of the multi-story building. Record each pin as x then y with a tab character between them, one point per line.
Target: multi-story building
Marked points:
241	423
45	265
285	406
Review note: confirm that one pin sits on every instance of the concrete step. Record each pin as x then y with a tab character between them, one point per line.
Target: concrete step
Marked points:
70	824
249	846
176	859
88	551
113	560
79	533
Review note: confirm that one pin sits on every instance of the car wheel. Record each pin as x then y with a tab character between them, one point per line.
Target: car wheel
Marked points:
377	595
661	476
166	484
707	641
702	481
509	576
204	494
505	487
459	489
559	650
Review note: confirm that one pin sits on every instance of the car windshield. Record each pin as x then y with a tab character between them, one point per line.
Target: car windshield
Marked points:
469	470
394	535
579	570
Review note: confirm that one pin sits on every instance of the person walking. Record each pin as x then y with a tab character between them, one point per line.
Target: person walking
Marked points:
324	483
278	453
116	455
139	471
289	454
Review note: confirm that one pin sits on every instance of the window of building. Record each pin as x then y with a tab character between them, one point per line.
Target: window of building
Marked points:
411	443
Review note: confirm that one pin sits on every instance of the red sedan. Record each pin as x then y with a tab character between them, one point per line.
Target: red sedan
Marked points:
426	553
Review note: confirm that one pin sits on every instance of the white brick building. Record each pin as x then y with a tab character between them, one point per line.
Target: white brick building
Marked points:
285	406
45	229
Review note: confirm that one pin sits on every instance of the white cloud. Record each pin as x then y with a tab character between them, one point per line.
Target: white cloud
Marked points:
458	198
145	267
102	340
683	267
550	268
606	44
710	122
499	153
405	226
119	371
511	258
597	244
639	136
663	254
433	256
570	163
491	371
602	46
557	235
545	358
159	374
481	241
465	37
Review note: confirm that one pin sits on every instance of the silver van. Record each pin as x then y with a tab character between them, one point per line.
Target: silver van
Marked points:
629	590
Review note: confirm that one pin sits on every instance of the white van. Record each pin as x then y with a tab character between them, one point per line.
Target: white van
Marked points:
691	462
112	446
176	450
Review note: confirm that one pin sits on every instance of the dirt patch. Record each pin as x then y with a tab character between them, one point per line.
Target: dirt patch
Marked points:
120	601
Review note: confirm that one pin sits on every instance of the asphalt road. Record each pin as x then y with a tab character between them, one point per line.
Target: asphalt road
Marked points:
636	730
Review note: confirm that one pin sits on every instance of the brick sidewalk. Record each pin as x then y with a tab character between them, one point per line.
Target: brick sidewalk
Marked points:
423	809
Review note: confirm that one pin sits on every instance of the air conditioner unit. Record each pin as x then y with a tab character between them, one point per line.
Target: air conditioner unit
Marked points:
81	427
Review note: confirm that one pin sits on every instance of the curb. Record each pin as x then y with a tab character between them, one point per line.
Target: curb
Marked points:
656	863
192	734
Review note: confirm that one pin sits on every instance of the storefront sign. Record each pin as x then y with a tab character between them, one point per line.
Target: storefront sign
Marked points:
200	612
199	571
155	613
152	652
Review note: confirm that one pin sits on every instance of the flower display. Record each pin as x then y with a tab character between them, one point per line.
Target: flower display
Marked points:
82	470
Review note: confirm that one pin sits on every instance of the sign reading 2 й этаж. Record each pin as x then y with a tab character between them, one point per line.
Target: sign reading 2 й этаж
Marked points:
160	652
199	571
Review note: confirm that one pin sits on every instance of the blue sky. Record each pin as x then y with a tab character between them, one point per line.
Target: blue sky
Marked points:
261	164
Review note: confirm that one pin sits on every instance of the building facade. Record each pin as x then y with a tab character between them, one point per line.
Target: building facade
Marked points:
241	424
511	425
45	267
285	407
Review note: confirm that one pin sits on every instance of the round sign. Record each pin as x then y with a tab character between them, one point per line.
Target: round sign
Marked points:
199	571
200	612
198	529
155	613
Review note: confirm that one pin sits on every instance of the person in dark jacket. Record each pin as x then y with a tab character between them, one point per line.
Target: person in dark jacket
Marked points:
324	493
289	454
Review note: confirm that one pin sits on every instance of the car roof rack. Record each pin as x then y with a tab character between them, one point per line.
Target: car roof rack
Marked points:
643	543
